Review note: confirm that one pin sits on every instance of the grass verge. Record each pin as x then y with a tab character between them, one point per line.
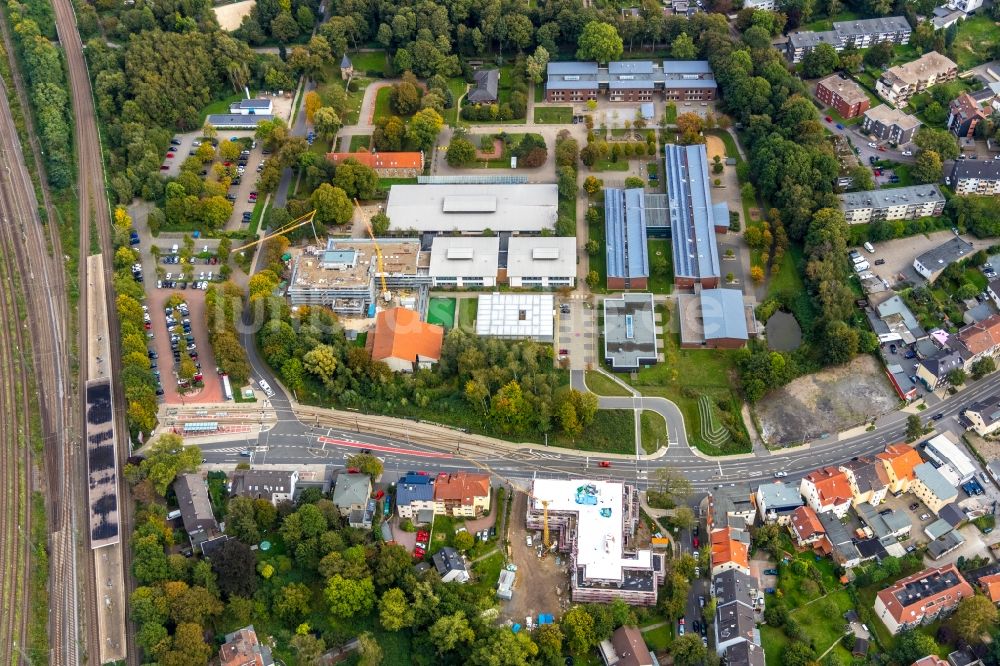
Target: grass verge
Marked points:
654	431
556	115
600	384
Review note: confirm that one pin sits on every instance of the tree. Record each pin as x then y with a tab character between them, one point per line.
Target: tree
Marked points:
684	518
308	648
683	48
941	141
983	367
593	279
369	649
235	568
327	122
592	247
240	520
536	64
463	541
460	152
356	180
331	204
395	612
366	464
912	645
957	377
687	650
633	182
293	603
797	653
914	427
600	42
450	631
878	55
973	618
549	638
578	627
425	127
670	488
928	167
820	61
757	274
284	27
404	98
167	458
690	126
347	597
592	185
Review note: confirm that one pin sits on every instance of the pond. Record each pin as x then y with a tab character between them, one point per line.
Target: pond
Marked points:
783	332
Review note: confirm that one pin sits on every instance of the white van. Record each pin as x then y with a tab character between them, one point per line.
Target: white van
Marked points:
267	388
869	247
173	250
858	259
862	267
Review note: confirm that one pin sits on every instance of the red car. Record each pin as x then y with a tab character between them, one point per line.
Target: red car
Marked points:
829	119
170	155
605	463
881	148
694	542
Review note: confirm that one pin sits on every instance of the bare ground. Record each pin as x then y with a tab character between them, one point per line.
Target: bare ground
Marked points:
829	401
537	579
230	16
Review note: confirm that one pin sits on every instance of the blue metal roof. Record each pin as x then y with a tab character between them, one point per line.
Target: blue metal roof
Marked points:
695	251
630	85
723	315
573	67
686	67
630	67
625	233
408	492
684	84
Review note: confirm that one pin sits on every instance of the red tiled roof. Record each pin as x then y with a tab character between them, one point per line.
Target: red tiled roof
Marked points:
991	585
832	485
805	523
912	609
379	160
462	487
399	333
727	549
966	106
981	336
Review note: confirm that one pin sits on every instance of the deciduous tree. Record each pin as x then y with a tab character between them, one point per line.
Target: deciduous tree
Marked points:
600	42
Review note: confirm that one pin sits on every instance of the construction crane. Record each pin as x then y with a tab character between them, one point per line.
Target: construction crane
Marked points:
386	294
294	224
531	497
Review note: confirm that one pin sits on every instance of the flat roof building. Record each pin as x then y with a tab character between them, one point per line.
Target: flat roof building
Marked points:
629	332
694	219
625	238
932	263
902	203
472	209
516	316
464	261
236	120
630	81
250	107
942	450
777	501
595	522
546	261
889	124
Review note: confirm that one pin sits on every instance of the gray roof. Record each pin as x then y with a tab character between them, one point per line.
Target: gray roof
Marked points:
194	504
885	114
448	559
723	314
745	653
808	39
682	67
872	519
942	363
630	85
953	513
470	209
935	481
988	409
897	521
695	252
866	474
942	255
944	544
779	495
873	26
262	483
684	84
733	586
487	86
251	104
733	622
630	67
979	169
345	62
236	121
878	199
533	256
571	67
351	489
629	75
625	233
895	305
838	536
629	330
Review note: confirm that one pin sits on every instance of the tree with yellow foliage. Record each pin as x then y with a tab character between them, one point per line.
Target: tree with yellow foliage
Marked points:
312	103
123	221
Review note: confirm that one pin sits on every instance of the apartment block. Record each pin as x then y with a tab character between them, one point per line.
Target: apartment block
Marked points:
889	124
844	95
964	113
902	203
860	34
980	177
898	84
920	598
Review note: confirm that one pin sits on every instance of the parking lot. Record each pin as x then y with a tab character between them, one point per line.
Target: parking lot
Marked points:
900	253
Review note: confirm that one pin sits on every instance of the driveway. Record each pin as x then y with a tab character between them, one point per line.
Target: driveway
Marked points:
576	331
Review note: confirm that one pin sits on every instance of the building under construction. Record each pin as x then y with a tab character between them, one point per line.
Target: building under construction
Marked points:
595	523
345	277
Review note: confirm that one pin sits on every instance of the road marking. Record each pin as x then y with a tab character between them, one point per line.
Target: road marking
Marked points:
386	449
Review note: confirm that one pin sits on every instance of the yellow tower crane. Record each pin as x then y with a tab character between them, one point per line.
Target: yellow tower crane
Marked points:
386	294
531	497
294	224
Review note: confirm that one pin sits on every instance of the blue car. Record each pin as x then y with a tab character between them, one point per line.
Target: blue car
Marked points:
839	126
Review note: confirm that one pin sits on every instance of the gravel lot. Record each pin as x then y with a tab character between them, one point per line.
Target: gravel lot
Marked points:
900	253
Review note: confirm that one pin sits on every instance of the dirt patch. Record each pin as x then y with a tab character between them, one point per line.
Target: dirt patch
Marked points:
826	402
230	16
537	578
988	449
495	155
715	146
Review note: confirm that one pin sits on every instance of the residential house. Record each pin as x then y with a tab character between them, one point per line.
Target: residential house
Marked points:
980	177
932	263
964	113
980	340
744	653
415	497
805	527
898	84
732	506
402	341
893	321
386	164
899	461
450	565
993	289
486	88
626	647
920	598
243	649
984	415
352	492
964	656
734	623
932	488
462	494
827	490
730	549
274	485
869	482
838	541
930	660
733	586
196	509
991	587
889	124
934	371
777	501
843	94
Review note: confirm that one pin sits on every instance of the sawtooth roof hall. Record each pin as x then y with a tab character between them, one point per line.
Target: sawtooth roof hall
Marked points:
693	218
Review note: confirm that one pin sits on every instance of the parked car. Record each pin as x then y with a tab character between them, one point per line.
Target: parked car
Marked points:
829	119
925	516
879	262
770	572
914	506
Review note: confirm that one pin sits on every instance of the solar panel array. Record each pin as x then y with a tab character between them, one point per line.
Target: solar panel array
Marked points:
472	180
102	468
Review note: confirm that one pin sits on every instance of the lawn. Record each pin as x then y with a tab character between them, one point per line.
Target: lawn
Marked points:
654	431
360	142
220	106
467	310
660	638
555	115
599	261
441	311
383	107
773	640
600	384
905	179
660	282
539	92
670	114
369	61
788	284
332	78
608	165
975	41
457	87
820	25
837	118
613	431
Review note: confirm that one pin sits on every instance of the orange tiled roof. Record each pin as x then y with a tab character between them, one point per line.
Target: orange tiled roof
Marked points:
930	660
902	458
726	549
379	160
462	487
399	333
981	336
806	523
991	585
908	598
831	485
